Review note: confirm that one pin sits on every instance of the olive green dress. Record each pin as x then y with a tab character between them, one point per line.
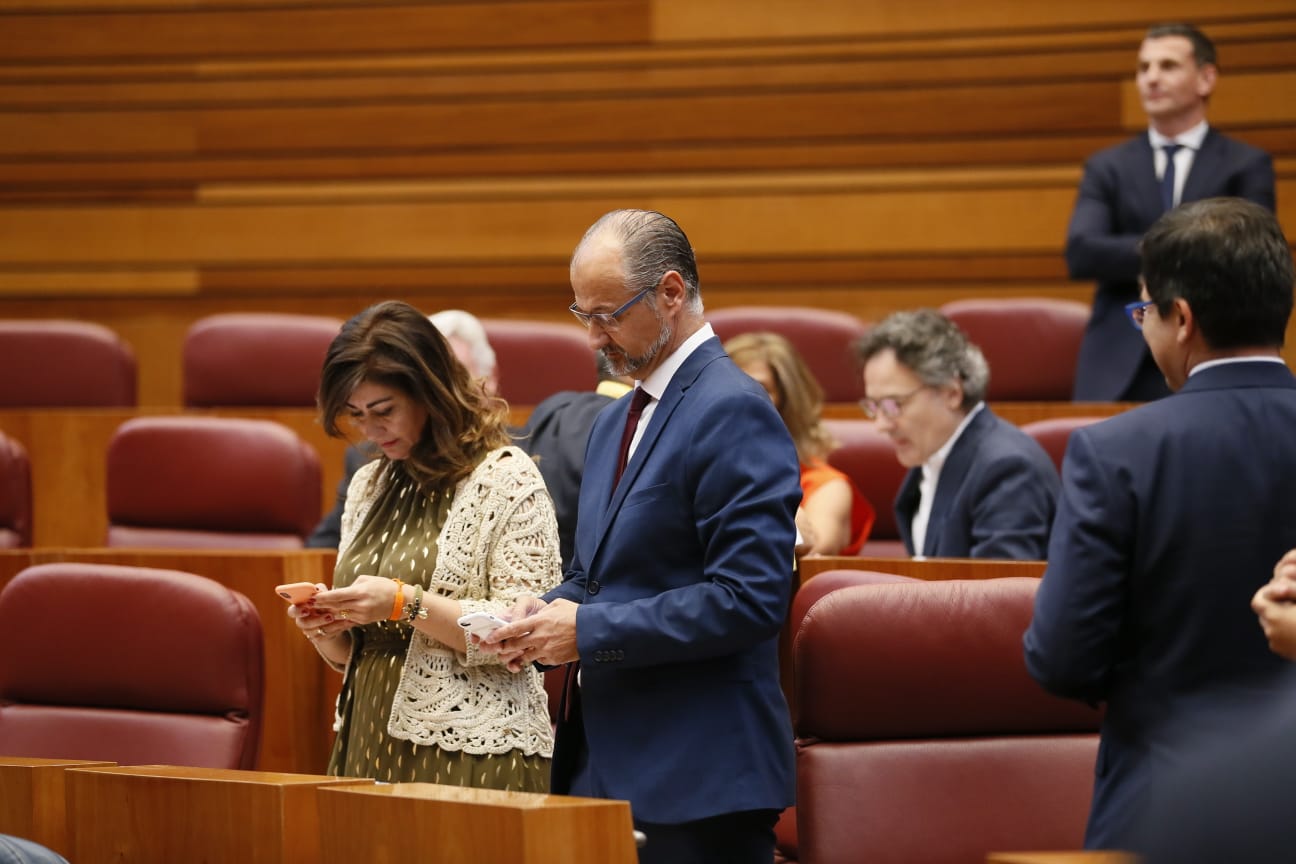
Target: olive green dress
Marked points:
398	539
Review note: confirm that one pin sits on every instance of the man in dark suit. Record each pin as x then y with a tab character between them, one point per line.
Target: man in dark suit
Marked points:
682	572
978	487
556	434
1121	195
1173	514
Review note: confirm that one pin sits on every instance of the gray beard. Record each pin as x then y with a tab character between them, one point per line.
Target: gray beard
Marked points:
628	365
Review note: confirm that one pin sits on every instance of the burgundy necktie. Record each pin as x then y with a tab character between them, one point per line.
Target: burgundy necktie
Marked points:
637	403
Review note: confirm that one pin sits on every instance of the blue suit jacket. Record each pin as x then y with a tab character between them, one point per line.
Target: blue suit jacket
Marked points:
1172	515
995	498
1118	201
684	576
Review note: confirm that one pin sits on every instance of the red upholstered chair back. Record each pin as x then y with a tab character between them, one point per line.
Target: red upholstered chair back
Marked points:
64	364
1030	343
246	359
536	359
129	664
920	735
824	338
15	495
211	482
868	457
1053	434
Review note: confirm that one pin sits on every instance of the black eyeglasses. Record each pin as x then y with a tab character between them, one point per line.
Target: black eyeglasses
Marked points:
1137	311
610	321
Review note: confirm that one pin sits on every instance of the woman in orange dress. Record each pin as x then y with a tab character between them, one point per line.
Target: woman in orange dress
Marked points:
834	519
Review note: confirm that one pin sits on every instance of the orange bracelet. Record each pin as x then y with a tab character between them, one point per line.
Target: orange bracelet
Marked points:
398	604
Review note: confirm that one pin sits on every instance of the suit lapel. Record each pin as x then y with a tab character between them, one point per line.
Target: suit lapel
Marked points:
906	504
1147	189
955	469
670	401
1205	164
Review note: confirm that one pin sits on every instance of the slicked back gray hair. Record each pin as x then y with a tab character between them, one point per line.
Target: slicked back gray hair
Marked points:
652	244
933	348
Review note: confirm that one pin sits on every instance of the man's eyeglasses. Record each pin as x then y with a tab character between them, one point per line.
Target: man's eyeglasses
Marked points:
890	406
1137	311
609	321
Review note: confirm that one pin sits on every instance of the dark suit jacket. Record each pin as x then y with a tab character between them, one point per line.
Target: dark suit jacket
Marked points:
995	497
1172	515
328	533
684	574
557	432
1118	201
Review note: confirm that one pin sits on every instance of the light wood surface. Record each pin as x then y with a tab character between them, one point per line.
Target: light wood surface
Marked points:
165	815
934	569
319	156
33	801
1089	857
299	688
428	822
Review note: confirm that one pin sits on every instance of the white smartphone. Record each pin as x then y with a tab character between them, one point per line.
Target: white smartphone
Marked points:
480	623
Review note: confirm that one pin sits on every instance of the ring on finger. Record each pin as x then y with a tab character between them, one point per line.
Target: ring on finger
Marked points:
343	613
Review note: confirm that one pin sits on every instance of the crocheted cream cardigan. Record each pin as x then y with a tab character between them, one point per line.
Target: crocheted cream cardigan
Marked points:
499	542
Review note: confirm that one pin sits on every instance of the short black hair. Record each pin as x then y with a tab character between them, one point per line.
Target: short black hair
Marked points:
1203	48
1228	258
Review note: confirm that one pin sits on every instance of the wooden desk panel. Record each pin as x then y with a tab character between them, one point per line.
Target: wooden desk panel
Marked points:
299	689
33	799
1086	857
404	821
1017	413
934	569
164	815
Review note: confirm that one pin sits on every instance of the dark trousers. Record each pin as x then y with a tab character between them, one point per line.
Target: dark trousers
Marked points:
730	838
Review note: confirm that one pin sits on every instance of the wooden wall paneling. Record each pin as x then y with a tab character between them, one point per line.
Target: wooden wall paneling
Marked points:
131	33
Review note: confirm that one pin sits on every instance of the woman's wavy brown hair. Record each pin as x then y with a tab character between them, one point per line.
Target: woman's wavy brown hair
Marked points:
800	398
395	345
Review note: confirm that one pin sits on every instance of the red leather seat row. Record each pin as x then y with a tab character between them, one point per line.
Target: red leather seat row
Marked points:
149	667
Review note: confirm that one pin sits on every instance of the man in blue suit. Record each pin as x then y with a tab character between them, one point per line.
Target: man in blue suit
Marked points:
682	572
978	487
1172	514
1128	186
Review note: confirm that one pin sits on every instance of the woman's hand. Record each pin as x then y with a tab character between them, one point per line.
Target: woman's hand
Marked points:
364	601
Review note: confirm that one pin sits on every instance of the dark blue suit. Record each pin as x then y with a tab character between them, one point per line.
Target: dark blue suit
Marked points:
1172	515
684	575
995	497
1118	201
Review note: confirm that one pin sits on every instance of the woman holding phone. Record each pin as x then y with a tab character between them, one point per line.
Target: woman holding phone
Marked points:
449	520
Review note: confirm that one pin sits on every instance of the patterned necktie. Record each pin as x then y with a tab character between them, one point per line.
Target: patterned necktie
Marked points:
1168	176
637	403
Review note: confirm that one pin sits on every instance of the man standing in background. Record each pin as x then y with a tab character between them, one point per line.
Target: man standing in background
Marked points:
1127	187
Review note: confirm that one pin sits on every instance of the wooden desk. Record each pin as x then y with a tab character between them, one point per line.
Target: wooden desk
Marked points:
927	568
1094	857
33	801
429	822
299	688
164	814
1017	413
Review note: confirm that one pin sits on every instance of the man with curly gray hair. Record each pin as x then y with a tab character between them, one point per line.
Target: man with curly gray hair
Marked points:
978	487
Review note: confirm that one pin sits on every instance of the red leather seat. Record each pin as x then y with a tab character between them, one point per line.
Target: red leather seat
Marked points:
129	664
15	495
64	364
211	482
536	359
868	457
1053	434
244	359
920	735
1031	343
824	338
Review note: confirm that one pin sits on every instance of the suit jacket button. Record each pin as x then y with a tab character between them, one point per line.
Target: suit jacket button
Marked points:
594	586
